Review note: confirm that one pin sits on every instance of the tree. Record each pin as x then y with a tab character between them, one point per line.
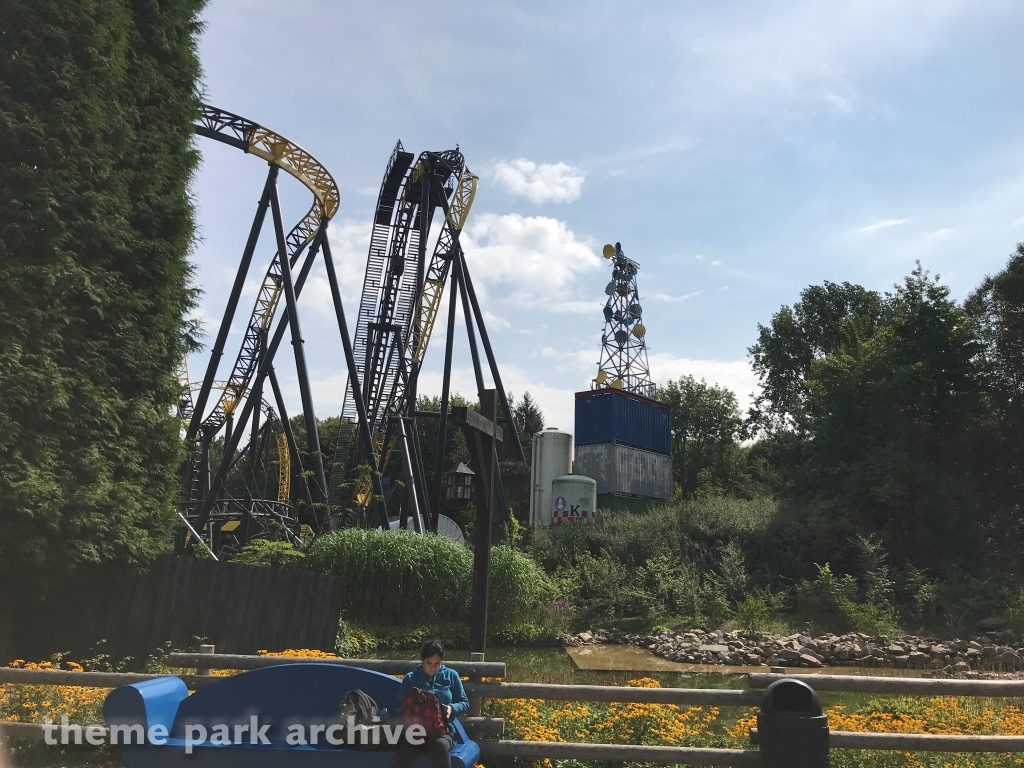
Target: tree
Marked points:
529	420
706	456
810	330
97	102
899	438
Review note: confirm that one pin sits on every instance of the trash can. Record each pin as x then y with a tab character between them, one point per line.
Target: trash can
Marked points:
792	731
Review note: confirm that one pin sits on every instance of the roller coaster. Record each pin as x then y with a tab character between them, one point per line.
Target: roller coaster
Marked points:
401	296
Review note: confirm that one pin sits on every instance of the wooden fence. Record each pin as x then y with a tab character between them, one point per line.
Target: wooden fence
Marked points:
489	730
239	608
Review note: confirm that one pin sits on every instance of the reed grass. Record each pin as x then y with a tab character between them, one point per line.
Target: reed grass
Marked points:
402	579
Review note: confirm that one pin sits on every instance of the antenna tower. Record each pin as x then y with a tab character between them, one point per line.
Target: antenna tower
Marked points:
623	363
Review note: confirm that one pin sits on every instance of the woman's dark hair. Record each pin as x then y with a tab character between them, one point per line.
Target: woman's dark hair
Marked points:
431	648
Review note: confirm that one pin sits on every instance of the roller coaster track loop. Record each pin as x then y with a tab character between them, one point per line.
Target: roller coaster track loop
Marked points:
254	139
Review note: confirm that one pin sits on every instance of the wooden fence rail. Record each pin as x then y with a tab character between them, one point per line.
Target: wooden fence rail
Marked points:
907	686
387	666
482	728
561	750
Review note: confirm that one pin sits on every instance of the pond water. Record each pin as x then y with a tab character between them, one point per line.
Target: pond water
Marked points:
618	664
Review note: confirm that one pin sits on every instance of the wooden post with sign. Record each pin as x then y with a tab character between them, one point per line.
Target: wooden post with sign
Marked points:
481	430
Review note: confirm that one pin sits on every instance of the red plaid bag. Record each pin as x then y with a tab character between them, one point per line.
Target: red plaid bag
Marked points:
423	708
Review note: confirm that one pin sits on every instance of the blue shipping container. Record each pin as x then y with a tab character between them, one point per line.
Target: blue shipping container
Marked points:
614	416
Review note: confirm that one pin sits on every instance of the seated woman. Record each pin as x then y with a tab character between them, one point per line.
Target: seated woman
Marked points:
433	676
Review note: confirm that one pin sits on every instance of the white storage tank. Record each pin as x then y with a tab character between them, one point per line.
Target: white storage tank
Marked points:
552	458
574	499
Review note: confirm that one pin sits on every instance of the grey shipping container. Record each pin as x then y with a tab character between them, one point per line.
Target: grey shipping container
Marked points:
614	416
623	469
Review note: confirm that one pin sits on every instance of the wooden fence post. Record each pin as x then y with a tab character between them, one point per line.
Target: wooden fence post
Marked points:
476	703
211	649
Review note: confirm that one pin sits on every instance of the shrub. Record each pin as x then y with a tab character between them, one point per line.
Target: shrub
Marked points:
404	579
267	553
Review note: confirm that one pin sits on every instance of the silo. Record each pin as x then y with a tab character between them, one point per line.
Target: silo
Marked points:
574	499
552	458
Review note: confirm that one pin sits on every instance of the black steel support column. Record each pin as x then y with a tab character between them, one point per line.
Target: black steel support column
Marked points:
460	274
229	313
350	361
442	427
293	445
312	437
502	396
264	366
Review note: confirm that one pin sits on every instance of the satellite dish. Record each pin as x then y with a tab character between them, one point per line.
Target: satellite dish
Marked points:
450	530
610	288
639	330
608	251
601	378
622	289
621	337
617	384
635	310
607	312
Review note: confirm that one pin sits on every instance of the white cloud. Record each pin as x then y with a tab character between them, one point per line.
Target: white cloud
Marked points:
736	375
940	234
667	297
577	307
494	320
882	225
839	104
543	183
536	256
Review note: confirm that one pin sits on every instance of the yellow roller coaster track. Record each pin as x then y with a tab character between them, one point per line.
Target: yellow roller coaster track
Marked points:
433	285
256	140
284	468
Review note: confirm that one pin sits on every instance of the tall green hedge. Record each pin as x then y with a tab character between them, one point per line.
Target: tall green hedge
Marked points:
97	103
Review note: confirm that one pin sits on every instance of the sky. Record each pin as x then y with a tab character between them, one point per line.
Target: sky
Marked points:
738	151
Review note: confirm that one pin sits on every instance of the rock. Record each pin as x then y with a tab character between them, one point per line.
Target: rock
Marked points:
1010	660
918	659
974	645
991	624
808	660
961	666
715	648
896	650
585	637
808	651
788	654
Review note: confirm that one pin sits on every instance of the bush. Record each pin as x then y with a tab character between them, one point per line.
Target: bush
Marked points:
404	579
833	601
267	553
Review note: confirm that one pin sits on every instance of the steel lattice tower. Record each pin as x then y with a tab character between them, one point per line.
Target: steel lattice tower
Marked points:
623	363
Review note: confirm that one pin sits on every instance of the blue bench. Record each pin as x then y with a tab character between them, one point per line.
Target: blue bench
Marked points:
277	697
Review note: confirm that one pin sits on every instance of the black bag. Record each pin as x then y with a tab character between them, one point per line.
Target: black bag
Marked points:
364	709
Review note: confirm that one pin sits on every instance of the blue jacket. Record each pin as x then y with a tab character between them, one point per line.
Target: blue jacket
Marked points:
446	685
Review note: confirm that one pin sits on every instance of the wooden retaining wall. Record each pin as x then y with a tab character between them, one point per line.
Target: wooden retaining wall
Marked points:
240	608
